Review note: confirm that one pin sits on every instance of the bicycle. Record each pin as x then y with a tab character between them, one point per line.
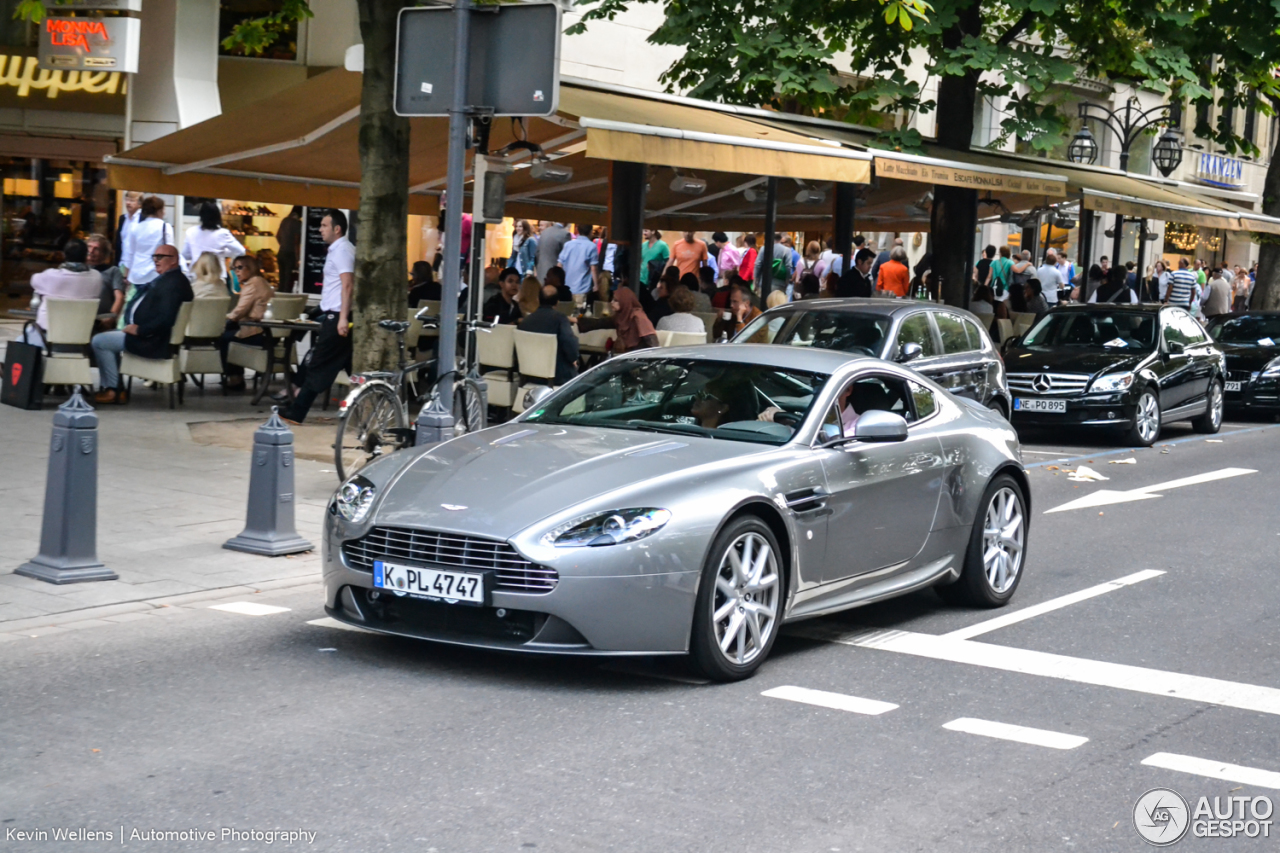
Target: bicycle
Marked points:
375	417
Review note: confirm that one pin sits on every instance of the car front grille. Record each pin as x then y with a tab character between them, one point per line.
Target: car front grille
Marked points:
511	571
1048	384
1238	375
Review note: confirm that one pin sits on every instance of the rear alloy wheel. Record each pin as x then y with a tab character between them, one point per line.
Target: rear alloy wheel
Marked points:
1146	420
739	601
1211	421
997	549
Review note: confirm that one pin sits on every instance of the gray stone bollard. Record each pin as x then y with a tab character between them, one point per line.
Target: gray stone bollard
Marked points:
269	526
435	424
69	531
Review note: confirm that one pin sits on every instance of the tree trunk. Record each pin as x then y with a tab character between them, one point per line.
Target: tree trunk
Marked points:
381	267
954	216
1266	292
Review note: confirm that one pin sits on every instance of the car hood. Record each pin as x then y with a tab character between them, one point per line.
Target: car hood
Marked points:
1090	361
1248	356
500	481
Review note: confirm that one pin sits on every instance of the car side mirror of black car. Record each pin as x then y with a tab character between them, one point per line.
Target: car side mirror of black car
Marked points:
1176	347
879	426
909	352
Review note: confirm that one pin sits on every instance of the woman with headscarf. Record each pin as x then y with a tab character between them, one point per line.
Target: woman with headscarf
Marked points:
634	329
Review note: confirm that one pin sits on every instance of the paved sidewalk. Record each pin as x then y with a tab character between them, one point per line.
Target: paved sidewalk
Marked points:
165	503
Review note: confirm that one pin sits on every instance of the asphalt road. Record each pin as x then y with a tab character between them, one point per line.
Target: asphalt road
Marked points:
197	718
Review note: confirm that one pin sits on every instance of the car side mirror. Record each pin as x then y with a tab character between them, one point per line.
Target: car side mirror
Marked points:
536	395
908	352
1176	347
879	426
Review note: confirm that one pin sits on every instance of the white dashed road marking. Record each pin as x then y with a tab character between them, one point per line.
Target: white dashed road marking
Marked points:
1214	769
823	699
249	608
1050	605
1229	694
1021	734
1106	497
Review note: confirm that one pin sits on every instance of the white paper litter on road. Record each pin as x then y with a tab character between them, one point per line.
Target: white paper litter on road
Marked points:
1085	474
1129	461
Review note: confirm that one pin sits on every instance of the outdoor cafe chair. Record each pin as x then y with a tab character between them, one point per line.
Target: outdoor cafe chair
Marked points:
680	339
497	349
536	354
70	330
200	354
162	371
708	320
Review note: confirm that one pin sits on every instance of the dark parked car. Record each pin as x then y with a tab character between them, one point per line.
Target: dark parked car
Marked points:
1128	368
1250	341
948	345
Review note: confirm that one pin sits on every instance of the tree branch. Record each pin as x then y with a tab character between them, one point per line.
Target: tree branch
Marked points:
1017	29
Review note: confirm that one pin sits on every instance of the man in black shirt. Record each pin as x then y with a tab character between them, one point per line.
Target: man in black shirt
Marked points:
983	267
858	281
502	306
548	321
555	278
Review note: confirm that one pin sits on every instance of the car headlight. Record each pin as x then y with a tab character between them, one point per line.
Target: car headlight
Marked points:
608	528
354	498
1114	382
1272	368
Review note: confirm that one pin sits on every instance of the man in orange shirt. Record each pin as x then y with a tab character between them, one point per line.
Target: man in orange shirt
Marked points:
894	276
688	253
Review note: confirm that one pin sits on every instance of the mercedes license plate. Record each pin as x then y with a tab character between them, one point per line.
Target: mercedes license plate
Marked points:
1233	386
1034	404
438	584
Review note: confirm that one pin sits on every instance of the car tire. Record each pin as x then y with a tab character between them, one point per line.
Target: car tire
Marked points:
1147	420
997	405
1211	421
988	579
729	648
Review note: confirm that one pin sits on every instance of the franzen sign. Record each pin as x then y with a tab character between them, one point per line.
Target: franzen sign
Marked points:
1220	171
89	44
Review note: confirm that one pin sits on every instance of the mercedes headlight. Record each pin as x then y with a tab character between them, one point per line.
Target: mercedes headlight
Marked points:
354	498
1114	382
608	528
1272	368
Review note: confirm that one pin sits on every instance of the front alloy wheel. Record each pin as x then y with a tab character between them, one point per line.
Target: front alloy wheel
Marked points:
739	600
1146	420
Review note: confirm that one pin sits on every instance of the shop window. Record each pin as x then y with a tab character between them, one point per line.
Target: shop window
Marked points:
284	47
1251	120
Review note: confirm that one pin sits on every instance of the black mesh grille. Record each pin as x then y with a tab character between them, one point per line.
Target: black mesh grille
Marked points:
1238	375
513	572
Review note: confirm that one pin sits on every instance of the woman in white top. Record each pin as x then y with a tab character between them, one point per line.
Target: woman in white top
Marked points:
681	302
146	235
207	281
209	236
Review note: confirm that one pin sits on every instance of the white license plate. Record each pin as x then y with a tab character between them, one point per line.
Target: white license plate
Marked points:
1034	404
1233	386
420	582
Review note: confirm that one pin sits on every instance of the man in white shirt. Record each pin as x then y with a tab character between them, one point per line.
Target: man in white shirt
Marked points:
331	350
1050	279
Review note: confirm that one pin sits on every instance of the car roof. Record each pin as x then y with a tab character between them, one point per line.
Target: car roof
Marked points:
1234	314
790	358
1112	307
883	306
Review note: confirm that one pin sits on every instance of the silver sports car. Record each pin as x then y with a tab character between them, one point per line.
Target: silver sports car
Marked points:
685	501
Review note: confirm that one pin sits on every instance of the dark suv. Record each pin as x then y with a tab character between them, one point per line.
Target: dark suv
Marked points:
948	345
1128	368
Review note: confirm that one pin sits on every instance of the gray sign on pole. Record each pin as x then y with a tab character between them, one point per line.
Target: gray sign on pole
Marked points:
514	60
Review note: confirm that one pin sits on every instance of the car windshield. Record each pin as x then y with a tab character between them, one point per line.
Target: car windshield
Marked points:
843	331
1128	331
1262	330
716	399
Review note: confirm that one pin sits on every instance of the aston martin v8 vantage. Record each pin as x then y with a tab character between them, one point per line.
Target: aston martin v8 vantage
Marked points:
685	501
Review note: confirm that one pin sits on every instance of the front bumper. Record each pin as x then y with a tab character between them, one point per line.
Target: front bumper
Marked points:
585	614
1097	410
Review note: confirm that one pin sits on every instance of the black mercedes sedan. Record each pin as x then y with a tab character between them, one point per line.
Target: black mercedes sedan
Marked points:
948	345
1250	340
1129	369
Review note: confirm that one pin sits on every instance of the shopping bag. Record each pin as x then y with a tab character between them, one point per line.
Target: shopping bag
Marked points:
23	368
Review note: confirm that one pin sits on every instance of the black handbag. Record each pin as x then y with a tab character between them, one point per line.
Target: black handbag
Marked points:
23	367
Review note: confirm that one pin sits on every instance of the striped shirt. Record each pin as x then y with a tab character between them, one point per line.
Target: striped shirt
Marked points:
1182	287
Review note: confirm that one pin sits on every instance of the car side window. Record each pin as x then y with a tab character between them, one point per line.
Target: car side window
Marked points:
882	393
915	330
951	330
925	402
1172	329
977	341
1191	329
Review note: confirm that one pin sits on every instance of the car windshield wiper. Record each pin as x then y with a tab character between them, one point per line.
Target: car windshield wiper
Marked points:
674	429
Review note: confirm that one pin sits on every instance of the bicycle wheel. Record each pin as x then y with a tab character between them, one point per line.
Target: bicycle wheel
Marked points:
468	408
367	429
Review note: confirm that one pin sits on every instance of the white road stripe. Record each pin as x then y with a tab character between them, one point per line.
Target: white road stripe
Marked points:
1229	694
1021	734
823	699
1050	605
249	608
330	622
1106	497
1214	769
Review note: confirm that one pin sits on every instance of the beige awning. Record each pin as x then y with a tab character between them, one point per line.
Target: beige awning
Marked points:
957	173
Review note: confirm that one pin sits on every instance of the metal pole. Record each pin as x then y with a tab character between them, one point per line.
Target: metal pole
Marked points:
770	224
1115	240
845	206
1085	252
448	340
1139	269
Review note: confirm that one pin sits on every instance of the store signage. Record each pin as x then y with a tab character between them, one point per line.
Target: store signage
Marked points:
929	173
85	43
24	74
1220	171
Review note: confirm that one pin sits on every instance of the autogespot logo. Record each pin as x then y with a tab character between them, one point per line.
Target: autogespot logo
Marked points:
1161	817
